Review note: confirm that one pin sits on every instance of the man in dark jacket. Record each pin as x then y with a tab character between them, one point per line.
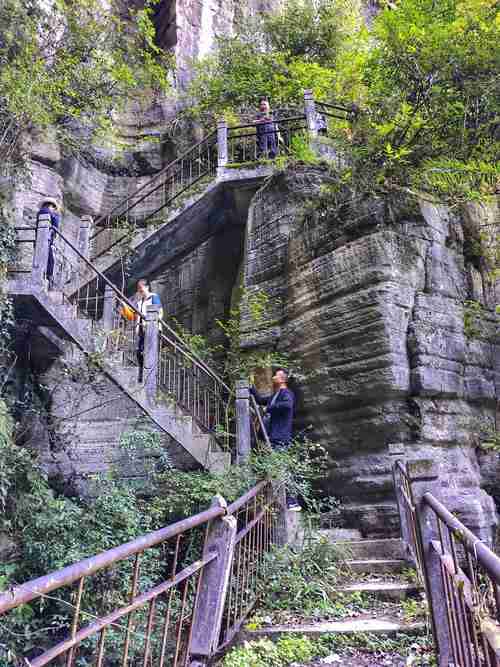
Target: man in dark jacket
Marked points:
280	408
267	131
50	207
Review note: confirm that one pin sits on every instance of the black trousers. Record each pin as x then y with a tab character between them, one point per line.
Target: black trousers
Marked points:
51	260
140	351
267	140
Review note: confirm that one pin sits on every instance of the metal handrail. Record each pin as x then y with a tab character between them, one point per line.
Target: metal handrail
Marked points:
482	554
176	605
238	504
179	345
101	218
98	273
263	428
68	575
271	120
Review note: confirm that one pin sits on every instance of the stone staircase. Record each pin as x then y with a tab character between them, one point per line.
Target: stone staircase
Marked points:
56	317
379	575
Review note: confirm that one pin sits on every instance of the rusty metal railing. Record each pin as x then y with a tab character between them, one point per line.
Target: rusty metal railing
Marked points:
408	512
146	202
471	580
260	528
138	620
461	576
244	144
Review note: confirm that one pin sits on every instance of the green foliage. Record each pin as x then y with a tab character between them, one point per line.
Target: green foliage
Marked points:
300	649
454	181
473	319
301	582
301	150
182	494
313	31
68	64
257	306
145	447
265	653
485	434
278	55
414	610
7	249
431	89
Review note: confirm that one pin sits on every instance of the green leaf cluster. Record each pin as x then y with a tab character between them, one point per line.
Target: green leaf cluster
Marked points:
67	66
265	653
431	86
278	55
425	77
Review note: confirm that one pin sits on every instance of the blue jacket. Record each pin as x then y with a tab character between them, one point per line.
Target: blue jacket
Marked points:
281	412
55	220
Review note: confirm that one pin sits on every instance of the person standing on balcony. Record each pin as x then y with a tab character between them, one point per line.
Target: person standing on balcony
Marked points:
280	409
267	131
50	207
145	298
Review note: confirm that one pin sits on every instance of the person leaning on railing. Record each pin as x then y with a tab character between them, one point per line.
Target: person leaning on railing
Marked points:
49	206
145	298
267	131
278	421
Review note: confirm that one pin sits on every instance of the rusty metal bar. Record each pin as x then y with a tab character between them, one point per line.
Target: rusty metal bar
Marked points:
116	615
50	582
483	554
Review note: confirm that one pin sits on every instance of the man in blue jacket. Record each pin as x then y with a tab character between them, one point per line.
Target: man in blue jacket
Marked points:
49	206
280	408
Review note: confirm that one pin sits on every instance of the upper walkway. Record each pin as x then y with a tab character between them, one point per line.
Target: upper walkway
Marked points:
204	186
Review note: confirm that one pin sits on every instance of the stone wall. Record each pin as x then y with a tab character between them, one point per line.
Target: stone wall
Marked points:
78	420
371	307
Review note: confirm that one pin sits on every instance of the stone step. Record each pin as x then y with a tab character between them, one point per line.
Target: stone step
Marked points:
218	461
377	566
366	549
392	591
383	625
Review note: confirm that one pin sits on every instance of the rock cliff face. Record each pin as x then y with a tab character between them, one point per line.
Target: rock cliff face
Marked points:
371	306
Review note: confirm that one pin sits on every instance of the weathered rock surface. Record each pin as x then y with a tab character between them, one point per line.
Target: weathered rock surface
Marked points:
371	308
82	433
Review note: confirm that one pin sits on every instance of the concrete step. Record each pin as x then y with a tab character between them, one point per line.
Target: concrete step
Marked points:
383	625
377	566
392	591
218	461
365	549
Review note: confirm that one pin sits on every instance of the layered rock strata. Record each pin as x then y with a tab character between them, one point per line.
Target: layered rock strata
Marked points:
371	307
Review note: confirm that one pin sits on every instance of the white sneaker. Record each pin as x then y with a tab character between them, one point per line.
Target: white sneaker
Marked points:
294	508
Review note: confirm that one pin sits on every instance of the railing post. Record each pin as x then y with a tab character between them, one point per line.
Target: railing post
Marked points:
151	351
423	477
207	617
310	111
41	255
222	144
397	453
84	235
108	310
243	437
